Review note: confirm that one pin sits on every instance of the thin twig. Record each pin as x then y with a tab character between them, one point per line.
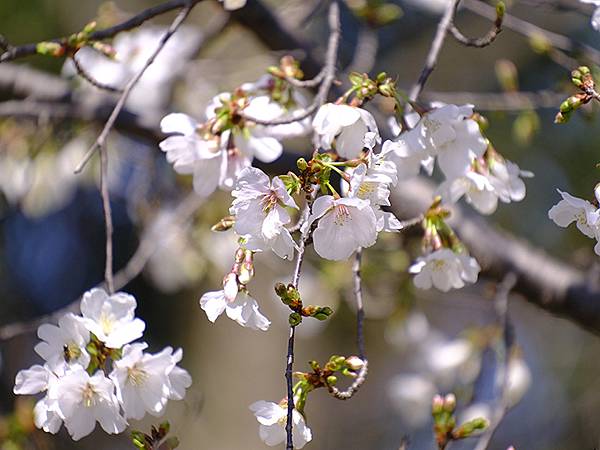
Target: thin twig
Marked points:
530	30
503	359
90	79
134	22
481	42
434	51
290	352
108	224
328	77
131	84
360	312
360	379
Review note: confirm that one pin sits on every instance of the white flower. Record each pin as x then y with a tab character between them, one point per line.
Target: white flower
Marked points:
345	224
243	309
273	418
233	4
253	140
153	90
352	129
211	164
38	379
445	270
596	15
409	155
505	176
142	380
572	209
84	399
477	189
450	135
264	108
111	317
65	343
259	207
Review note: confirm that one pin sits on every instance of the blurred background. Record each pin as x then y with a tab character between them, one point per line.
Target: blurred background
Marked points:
418	343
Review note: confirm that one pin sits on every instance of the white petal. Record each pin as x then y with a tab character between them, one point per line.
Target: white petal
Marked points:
213	304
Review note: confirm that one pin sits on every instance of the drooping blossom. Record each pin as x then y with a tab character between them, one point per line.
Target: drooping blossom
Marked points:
259	208
444	269
446	133
348	129
345	224
111	317
240	307
572	209
272	418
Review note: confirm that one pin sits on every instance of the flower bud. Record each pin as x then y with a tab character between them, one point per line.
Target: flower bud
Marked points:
468	428
450	403
354	363
230	287
246	272
437	405
295	319
224	224
331	380
302	164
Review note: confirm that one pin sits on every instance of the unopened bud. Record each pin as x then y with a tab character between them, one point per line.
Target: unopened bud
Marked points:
331	380
224	224
280	289
230	287
468	428
246	272
302	164
450	403
354	363
50	48
437	405
295	319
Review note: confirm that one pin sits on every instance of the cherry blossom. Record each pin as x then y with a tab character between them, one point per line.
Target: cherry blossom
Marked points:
272	418
259	208
572	209
143	381
345	224
243	309
448	134
445	270
351	128
84	400
251	139
111	317
205	157
65	343
133	49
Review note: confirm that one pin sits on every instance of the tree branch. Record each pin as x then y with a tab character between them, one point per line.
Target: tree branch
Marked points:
31	49
131	84
434	51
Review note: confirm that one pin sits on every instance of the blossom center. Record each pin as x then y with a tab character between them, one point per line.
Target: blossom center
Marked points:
136	375
580	217
438	265
269	201
71	351
106	322
365	189
341	215
89	395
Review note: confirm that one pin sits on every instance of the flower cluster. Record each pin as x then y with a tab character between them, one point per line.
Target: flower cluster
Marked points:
585	215
470	164
94	373
216	151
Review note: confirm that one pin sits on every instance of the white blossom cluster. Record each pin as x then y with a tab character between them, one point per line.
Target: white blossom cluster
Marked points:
272	418
585	215
81	389
215	152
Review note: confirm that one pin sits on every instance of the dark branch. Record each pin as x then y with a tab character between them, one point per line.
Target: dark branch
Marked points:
31	49
101	140
483	41
90	79
434	51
